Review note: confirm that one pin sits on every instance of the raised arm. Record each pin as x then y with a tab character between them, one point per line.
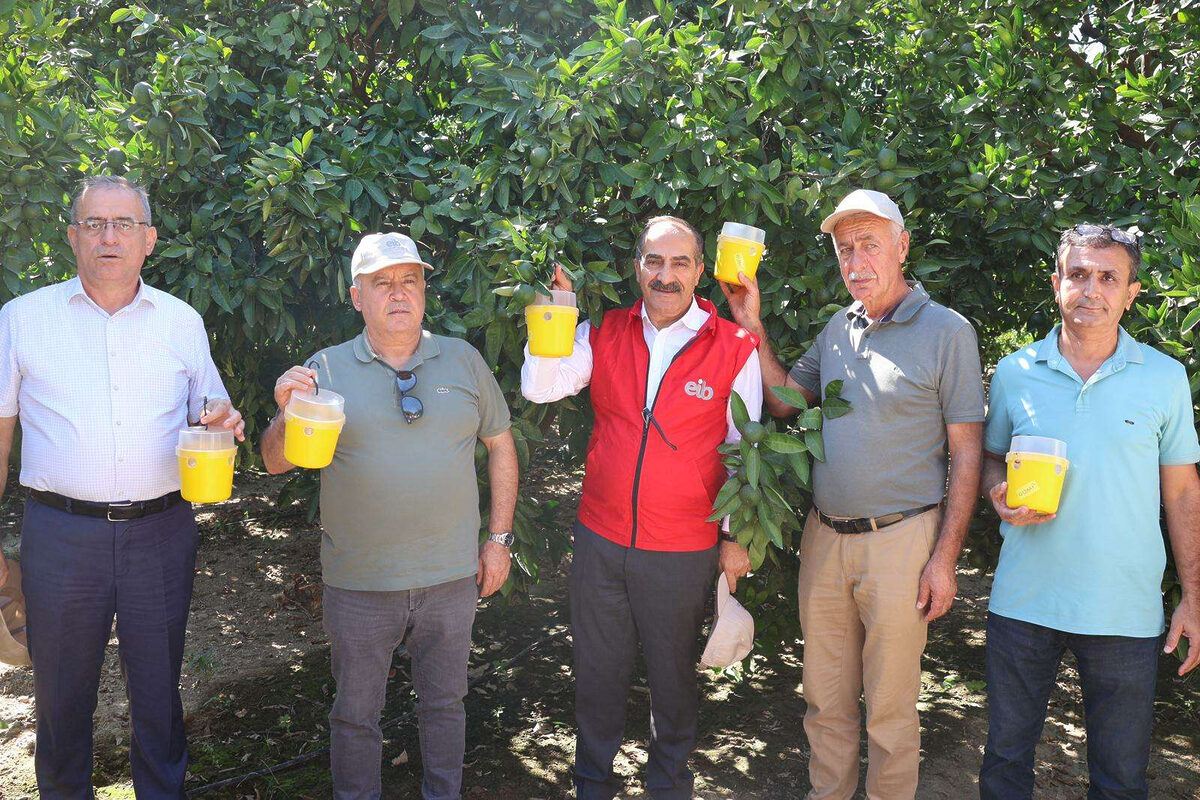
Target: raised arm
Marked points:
745	305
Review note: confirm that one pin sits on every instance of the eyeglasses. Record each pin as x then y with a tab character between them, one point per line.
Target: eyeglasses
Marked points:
410	406
94	225
1115	234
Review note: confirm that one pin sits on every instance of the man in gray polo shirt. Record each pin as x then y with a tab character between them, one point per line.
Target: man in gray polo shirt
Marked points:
878	554
400	554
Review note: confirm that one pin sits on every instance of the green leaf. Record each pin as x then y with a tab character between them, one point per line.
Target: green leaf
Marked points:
791	396
783	443
802	467
731	506
753	464
1190	320
758	548
738	407
810	420
772	528
730	488
835	407
815	444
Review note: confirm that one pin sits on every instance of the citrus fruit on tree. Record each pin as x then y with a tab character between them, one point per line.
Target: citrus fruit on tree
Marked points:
159	125
631	48
886	180
886	159
750	494
754	432
978	180
143	93
538	157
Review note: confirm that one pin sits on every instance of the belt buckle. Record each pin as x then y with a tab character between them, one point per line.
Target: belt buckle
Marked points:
126	504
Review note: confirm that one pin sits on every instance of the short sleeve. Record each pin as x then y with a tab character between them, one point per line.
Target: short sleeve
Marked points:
494	417
960	386
807	371
997	430
1177	443
10	370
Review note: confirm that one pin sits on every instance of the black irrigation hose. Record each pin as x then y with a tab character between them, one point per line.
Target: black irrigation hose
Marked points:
293	762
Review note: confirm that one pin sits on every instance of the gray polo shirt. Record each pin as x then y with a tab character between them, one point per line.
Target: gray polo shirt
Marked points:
399	503
906	377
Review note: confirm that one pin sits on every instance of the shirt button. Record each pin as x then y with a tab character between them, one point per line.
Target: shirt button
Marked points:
114	388
118	423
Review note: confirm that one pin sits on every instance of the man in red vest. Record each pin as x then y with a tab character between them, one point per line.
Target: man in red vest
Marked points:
661	376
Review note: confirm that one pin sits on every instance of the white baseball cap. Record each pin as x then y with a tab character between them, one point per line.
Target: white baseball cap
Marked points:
863	200
732	636
379	250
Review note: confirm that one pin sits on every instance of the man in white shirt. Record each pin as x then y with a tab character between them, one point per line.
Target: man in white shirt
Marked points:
661	376
102	372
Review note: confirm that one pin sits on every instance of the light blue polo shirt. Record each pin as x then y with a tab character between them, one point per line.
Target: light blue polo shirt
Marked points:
1097	567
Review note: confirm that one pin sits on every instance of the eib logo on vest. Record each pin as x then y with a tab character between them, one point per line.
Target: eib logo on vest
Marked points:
699	389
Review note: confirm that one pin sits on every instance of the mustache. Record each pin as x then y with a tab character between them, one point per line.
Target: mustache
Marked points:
659	286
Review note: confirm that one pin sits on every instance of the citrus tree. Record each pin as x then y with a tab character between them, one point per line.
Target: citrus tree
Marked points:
507	135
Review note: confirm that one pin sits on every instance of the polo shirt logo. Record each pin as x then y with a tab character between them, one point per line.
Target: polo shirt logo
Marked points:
443	390
699	389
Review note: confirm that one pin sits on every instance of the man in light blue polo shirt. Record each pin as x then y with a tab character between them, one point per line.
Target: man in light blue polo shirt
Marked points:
1087	578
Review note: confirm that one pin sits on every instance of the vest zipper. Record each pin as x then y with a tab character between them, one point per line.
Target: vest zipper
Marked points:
647	420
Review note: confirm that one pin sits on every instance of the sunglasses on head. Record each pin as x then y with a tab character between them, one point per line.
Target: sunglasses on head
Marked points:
410	406
1115	234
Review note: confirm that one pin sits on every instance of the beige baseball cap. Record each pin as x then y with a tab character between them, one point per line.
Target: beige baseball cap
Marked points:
863	200
732	636
14	647
379	250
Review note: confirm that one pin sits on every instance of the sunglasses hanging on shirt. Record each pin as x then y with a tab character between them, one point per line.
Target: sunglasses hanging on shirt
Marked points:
410	406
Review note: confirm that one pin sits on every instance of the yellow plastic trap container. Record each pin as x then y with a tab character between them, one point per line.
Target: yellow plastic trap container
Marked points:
551	322
1037	466
206	459
740	248
313	422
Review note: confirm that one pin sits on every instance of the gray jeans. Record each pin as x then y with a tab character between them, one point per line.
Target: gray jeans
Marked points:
364	629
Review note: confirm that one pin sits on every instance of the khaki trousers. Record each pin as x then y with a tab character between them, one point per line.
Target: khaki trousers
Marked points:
863	635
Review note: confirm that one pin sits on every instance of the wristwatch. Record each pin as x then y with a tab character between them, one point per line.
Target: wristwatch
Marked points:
505	539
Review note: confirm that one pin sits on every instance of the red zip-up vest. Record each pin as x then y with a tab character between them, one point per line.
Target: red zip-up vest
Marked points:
652	474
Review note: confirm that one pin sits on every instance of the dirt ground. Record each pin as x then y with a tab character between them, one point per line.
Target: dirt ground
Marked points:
257	688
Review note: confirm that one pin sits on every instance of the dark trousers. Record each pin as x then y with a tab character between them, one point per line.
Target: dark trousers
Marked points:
1117	676
78	572
620	596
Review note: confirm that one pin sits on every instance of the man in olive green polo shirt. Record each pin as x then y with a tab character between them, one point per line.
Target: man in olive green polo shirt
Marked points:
400	554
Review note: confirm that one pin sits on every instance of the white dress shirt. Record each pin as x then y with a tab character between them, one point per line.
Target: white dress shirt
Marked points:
101	397
544	380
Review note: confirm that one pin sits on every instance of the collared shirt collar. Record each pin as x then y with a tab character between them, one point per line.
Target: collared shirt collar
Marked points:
74	288
426	349
1127	352
694	318
903	311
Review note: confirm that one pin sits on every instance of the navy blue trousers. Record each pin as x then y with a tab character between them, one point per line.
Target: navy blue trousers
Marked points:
621	596
1117	676
78	572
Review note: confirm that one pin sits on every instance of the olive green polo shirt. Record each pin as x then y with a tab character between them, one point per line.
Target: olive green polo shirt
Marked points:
907	376
399	503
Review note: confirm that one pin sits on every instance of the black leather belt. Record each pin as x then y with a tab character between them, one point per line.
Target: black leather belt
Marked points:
868	524
113	512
